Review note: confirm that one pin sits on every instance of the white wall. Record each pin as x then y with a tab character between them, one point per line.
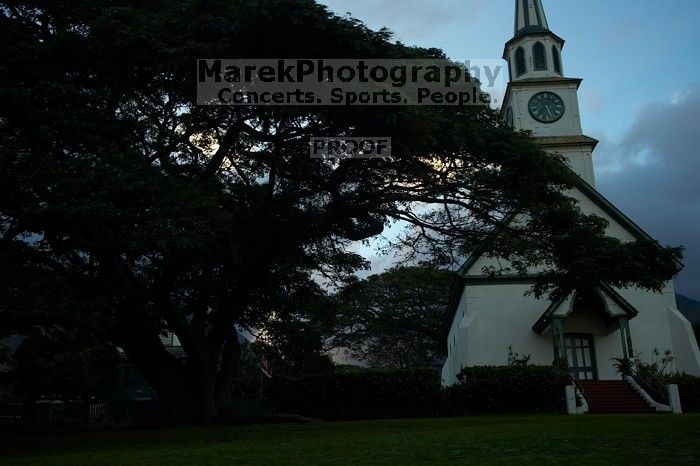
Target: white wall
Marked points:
492	317
568	125
527	42
685	345
579	159
489	319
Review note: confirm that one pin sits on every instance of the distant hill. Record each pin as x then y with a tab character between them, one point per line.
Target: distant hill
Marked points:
689	308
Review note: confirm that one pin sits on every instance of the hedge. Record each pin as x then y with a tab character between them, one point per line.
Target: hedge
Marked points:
689	390
370	394
383	394
507	389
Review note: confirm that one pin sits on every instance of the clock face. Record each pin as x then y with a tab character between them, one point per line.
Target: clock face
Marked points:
546	107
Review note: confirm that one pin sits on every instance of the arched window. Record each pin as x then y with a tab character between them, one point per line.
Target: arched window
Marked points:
538	56
556	58
520	61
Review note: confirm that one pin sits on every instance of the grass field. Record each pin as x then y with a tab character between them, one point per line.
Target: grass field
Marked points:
641	439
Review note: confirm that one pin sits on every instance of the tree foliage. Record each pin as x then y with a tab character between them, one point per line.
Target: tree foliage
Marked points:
63	364
395	319
152	212
294	337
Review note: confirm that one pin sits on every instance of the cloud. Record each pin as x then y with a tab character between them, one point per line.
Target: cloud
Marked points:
653	175
595	100
409	19
623	33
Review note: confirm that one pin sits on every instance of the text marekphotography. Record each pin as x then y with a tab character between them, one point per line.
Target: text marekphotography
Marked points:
349	82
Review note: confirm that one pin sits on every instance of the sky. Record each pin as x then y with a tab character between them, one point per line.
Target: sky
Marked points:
640	96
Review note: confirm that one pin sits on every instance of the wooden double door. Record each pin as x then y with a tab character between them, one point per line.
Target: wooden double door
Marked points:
580	353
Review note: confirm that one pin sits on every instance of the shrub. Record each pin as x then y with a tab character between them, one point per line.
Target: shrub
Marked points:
624	366
689	389
507	389
656	375
378	394
369	394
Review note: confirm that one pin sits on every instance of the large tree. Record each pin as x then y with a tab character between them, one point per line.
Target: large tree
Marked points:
395	319
293	338
157	213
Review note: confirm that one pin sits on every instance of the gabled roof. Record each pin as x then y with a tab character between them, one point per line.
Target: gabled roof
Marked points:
595	197
606	206
619	300
480	249
599	200
546	319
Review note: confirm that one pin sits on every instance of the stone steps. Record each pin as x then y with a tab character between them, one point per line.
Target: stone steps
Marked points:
613	396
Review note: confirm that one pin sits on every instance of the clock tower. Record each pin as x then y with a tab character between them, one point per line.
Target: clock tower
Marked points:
539	97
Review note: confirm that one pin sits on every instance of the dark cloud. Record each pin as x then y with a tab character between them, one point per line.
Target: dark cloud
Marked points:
653	176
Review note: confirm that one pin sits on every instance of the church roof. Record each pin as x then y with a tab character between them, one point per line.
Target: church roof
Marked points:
587	190
598	199
603	289
530	17
608	207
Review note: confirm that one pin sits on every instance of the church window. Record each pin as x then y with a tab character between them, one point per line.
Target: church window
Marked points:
556	58
538	56
520	61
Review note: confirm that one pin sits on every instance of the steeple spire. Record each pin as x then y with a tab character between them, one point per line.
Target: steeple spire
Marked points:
529	17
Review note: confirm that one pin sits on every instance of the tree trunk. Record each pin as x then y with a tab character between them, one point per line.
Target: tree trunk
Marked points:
197	390
166	375
202	384
230	368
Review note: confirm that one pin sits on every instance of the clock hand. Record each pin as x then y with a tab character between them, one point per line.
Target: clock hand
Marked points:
549	111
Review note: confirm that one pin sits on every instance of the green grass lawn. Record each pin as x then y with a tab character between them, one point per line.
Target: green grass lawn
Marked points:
634	439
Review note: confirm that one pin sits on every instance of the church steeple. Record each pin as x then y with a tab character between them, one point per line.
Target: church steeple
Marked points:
534	51
539	98
529	17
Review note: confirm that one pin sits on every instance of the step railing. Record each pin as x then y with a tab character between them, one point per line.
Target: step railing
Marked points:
674	405
573	393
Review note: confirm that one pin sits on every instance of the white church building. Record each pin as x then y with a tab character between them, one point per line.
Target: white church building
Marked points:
487	316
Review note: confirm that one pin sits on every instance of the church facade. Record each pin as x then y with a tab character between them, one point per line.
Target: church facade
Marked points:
490	317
